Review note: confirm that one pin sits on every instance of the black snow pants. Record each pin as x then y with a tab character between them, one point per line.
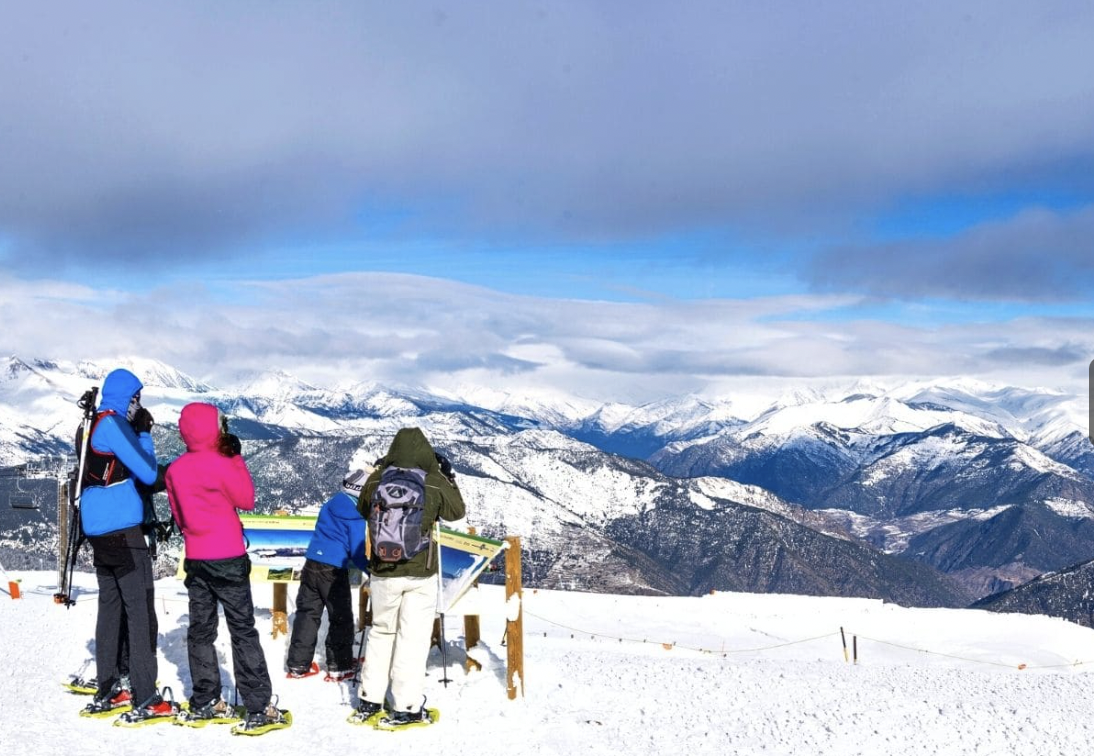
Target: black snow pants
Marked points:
323	586
225	582
126	623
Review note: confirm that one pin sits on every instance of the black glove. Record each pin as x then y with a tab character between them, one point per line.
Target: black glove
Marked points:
446	467
163	529
161	479
142	421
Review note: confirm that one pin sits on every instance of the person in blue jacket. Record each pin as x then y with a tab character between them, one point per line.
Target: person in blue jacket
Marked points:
120	452
338	542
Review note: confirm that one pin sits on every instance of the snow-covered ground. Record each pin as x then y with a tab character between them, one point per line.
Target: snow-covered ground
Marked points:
721	674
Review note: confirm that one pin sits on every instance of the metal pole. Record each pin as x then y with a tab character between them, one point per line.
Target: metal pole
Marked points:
87	403
440	600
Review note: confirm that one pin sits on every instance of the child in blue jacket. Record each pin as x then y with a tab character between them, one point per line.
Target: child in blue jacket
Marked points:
338	542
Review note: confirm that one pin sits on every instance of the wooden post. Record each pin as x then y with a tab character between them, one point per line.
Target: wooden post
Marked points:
514	622
280	608
471	631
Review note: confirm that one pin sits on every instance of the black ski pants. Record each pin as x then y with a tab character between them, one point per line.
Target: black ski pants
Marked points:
126	613
322	586
207	590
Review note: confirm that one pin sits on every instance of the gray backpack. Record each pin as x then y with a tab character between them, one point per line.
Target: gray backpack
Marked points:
396	510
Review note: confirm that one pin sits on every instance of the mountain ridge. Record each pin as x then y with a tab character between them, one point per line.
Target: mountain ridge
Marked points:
912	465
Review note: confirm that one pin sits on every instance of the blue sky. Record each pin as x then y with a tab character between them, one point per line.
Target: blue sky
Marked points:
606	198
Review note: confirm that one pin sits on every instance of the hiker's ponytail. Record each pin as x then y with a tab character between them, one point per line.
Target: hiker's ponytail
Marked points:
228	444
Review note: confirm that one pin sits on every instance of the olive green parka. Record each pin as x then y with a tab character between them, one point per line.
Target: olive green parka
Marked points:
410	448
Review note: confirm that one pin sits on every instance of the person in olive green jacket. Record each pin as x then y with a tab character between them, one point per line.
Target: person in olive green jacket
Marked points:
404	594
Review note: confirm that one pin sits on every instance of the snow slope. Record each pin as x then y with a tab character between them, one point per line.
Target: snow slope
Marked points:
720	674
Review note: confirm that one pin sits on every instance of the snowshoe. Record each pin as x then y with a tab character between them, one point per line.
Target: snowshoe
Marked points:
404	720
217	711
261	722
104	707
340	675
366	713
296	673
160	708
81	686
118	701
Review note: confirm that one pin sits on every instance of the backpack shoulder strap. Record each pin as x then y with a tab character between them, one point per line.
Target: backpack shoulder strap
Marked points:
100	468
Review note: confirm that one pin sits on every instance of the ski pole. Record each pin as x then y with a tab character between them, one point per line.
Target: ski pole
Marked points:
440	601
360	650
87	404
444	654
71	549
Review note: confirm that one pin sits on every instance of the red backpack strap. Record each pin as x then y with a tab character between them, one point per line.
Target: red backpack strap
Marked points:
101	468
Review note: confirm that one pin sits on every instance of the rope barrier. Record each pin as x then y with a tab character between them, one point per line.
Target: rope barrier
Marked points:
723	651
163	600
976	661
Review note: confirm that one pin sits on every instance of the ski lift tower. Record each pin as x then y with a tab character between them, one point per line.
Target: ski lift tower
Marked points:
21	498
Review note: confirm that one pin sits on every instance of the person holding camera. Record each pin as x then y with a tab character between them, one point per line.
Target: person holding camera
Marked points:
411	489
206	487
120	454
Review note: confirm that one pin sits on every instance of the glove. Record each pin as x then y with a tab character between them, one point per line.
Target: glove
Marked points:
142	421
161	479
446	467
163	530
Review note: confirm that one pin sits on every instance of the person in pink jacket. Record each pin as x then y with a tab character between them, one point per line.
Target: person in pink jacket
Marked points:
206	487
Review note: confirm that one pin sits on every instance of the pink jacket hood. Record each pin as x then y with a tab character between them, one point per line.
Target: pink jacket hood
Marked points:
199	426
206	488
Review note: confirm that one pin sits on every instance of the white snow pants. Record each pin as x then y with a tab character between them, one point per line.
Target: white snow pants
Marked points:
403	609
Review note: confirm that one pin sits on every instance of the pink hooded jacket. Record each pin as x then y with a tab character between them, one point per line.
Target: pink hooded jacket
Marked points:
205	488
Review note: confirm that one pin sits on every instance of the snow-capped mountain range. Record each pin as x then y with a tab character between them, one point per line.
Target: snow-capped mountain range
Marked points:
957	475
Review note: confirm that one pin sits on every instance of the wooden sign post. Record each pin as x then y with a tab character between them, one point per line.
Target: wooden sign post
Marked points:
471	632
514	622
280	608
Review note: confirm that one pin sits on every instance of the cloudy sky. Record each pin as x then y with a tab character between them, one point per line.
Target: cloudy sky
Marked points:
619	199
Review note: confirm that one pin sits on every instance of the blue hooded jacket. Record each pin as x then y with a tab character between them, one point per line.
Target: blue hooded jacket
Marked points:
105	509
339	536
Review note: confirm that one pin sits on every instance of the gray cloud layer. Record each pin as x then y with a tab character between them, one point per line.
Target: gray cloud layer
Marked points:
1036	256
184	130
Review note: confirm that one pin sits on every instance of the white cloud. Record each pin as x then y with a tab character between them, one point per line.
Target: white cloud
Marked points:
414	330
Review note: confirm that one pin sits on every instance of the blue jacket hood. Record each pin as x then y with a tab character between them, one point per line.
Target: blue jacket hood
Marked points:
118	389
